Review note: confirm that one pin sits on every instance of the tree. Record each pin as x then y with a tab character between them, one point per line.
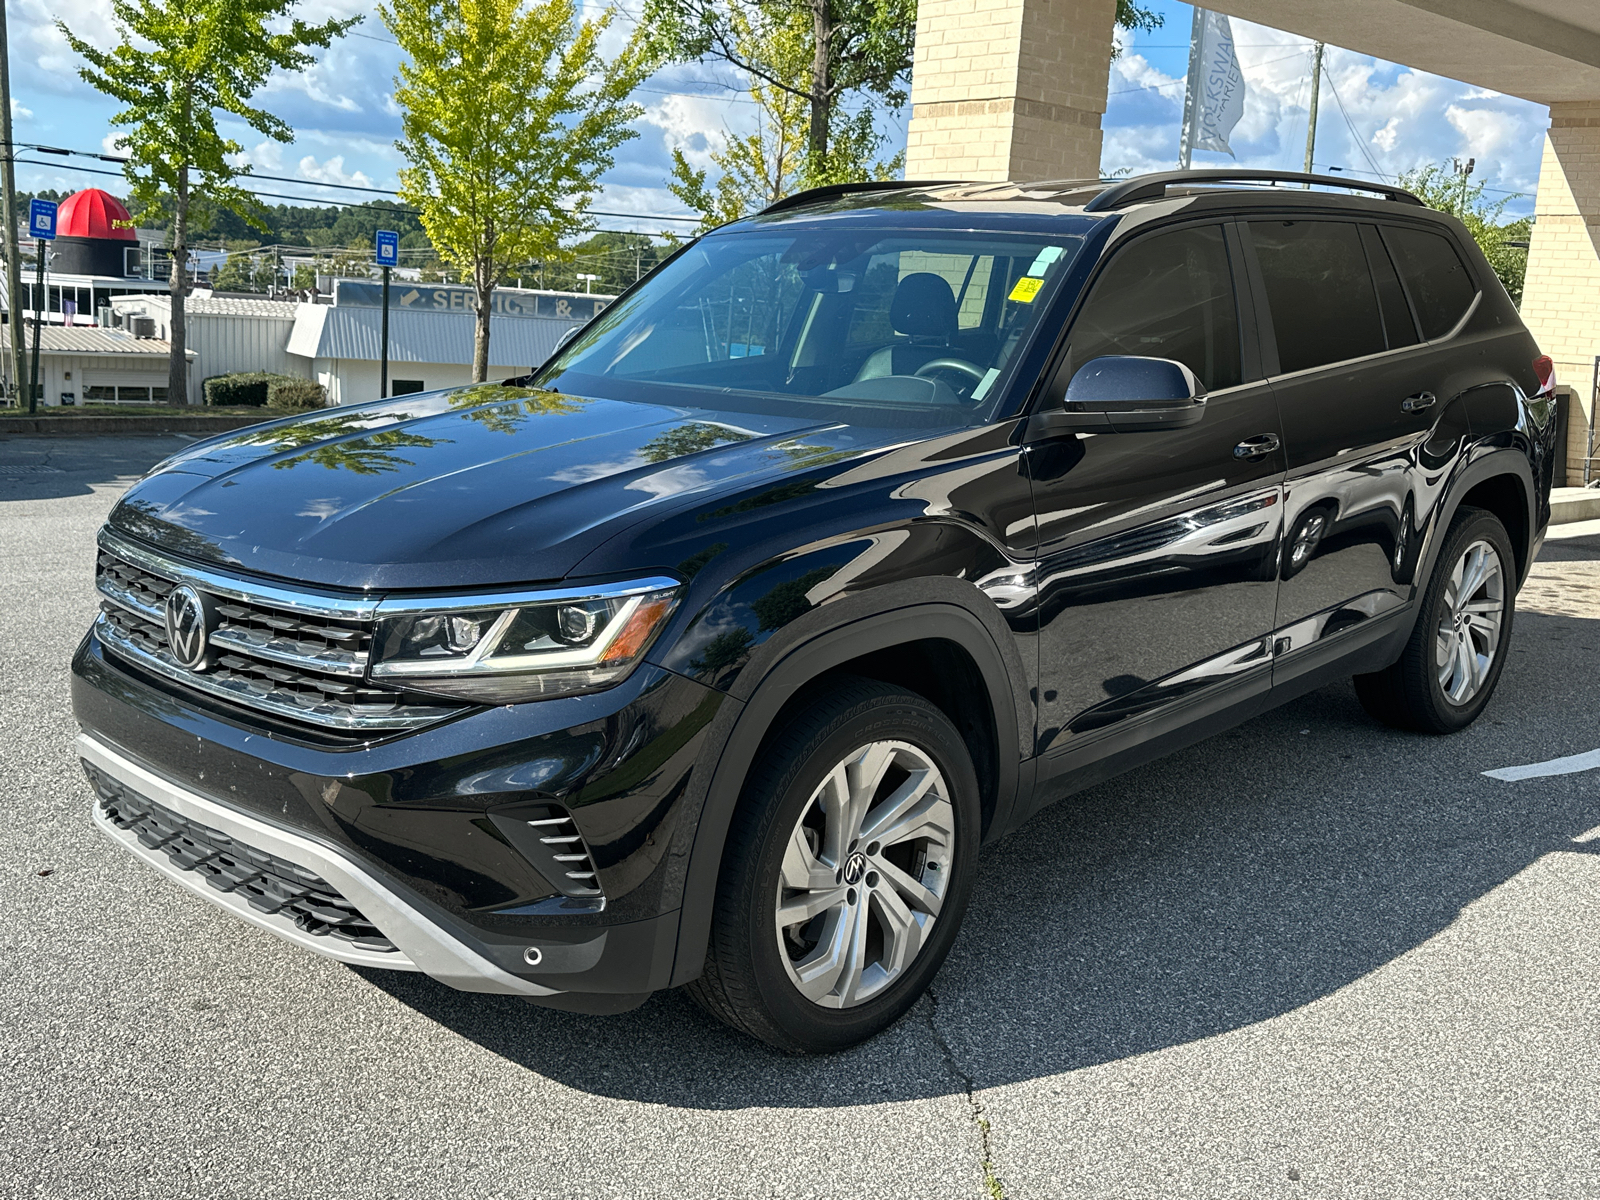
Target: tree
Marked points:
177	64
802	59
857	49
508	111
1442	188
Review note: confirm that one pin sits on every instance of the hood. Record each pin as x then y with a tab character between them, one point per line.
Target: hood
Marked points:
489	484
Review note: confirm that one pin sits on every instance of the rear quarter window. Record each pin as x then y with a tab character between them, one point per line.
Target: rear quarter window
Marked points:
1440	286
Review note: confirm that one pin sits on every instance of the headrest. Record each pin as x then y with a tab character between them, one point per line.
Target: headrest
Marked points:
923	306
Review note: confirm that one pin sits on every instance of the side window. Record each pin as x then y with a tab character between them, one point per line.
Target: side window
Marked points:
1397	323
1319	291
1169	295
1441	287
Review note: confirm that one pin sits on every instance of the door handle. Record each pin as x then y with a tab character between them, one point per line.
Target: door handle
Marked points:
1418	402
1257	447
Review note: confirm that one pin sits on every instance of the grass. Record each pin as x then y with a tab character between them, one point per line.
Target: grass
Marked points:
140	410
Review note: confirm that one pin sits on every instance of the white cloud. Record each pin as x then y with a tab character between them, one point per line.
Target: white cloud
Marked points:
332	171
112	144
1386	137
1485	131
18	112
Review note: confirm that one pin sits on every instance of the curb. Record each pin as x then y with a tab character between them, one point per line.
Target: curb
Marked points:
1574	504
101	426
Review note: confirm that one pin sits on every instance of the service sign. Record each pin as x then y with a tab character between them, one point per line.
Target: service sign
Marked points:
42	219
503	302
388	248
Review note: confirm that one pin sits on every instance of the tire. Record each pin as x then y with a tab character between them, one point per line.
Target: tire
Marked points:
1450	666
874	917
1301	545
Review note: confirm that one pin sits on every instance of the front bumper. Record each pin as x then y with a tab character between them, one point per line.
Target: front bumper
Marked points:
419	944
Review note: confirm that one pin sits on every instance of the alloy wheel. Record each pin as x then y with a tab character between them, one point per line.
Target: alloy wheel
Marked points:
1468	635
864	874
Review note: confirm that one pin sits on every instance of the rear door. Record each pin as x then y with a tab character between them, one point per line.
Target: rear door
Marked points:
1365	429
1157	573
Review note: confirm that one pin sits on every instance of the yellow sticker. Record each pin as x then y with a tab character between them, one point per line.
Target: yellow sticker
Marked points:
1027	288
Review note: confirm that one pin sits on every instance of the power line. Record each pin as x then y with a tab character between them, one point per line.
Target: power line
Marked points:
1350	125
348	187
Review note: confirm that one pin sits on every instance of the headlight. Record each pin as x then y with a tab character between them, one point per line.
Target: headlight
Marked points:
504	648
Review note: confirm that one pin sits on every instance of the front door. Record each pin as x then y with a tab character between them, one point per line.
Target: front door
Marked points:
1157	557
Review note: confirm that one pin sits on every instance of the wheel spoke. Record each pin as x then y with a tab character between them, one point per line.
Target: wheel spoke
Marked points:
1473	570
1481	607
1461	677
902	931
933	819
897	805
833	797
802	870
802	906
865	774
819	972
916	894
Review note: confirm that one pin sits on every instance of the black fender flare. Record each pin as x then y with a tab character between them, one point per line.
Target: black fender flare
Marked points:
912	610
1479	469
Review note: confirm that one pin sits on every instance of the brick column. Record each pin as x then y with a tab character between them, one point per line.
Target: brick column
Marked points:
1561	296
1009	89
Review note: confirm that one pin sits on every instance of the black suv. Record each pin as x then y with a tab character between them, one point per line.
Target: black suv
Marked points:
710	652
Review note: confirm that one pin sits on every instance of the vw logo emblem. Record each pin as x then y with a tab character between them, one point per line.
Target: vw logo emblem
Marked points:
188	627
854	868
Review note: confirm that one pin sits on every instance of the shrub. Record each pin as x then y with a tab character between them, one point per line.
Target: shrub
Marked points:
295	395
255	388
242	387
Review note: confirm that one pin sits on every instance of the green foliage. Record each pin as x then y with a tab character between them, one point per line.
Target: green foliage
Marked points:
1442	188
618	258
510	116
1131	16
295	395
176	66
251	388
305	277
864	65
238	274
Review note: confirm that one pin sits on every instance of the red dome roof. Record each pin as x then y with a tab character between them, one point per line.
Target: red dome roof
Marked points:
92	213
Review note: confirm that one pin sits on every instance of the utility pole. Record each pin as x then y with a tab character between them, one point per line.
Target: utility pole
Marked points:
388	253
1316	87
8	181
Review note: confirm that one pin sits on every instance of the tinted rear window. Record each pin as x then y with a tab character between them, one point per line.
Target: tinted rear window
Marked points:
1441	287
1320	293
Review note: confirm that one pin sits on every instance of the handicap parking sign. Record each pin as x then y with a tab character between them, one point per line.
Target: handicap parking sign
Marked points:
42	219
388	248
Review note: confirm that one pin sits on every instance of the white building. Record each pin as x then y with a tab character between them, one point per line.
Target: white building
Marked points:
86	365
224	335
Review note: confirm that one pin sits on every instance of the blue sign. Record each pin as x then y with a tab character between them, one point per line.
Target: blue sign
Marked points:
388	248
506	302
42	219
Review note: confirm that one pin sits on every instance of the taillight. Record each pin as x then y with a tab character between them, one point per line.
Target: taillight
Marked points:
1546	371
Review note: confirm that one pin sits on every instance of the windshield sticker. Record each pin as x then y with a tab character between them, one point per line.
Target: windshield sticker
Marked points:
984	384
1046	256
1027	288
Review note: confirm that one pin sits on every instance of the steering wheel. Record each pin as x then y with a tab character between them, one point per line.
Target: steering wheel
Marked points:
951	364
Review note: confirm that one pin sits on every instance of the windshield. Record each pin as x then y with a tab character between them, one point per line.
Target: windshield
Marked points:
868	326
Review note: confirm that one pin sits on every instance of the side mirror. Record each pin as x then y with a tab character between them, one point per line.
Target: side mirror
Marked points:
1123	393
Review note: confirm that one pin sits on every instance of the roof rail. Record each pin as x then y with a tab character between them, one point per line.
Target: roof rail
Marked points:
1153	187
830	191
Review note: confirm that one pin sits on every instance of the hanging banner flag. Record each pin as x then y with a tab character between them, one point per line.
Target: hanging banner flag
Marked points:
1216	87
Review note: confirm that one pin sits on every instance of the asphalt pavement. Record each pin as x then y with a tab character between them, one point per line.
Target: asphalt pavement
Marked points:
1311	957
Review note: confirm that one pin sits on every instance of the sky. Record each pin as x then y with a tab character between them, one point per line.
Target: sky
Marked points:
1376	117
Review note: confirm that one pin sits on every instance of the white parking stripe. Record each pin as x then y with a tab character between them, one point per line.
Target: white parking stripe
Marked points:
1570	765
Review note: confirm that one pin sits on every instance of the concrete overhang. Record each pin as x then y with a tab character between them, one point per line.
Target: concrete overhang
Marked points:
1547	51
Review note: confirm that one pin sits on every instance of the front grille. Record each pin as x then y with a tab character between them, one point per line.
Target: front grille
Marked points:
268	883
287	657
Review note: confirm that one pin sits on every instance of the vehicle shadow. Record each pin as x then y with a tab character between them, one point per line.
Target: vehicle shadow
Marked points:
1227	884
49	468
